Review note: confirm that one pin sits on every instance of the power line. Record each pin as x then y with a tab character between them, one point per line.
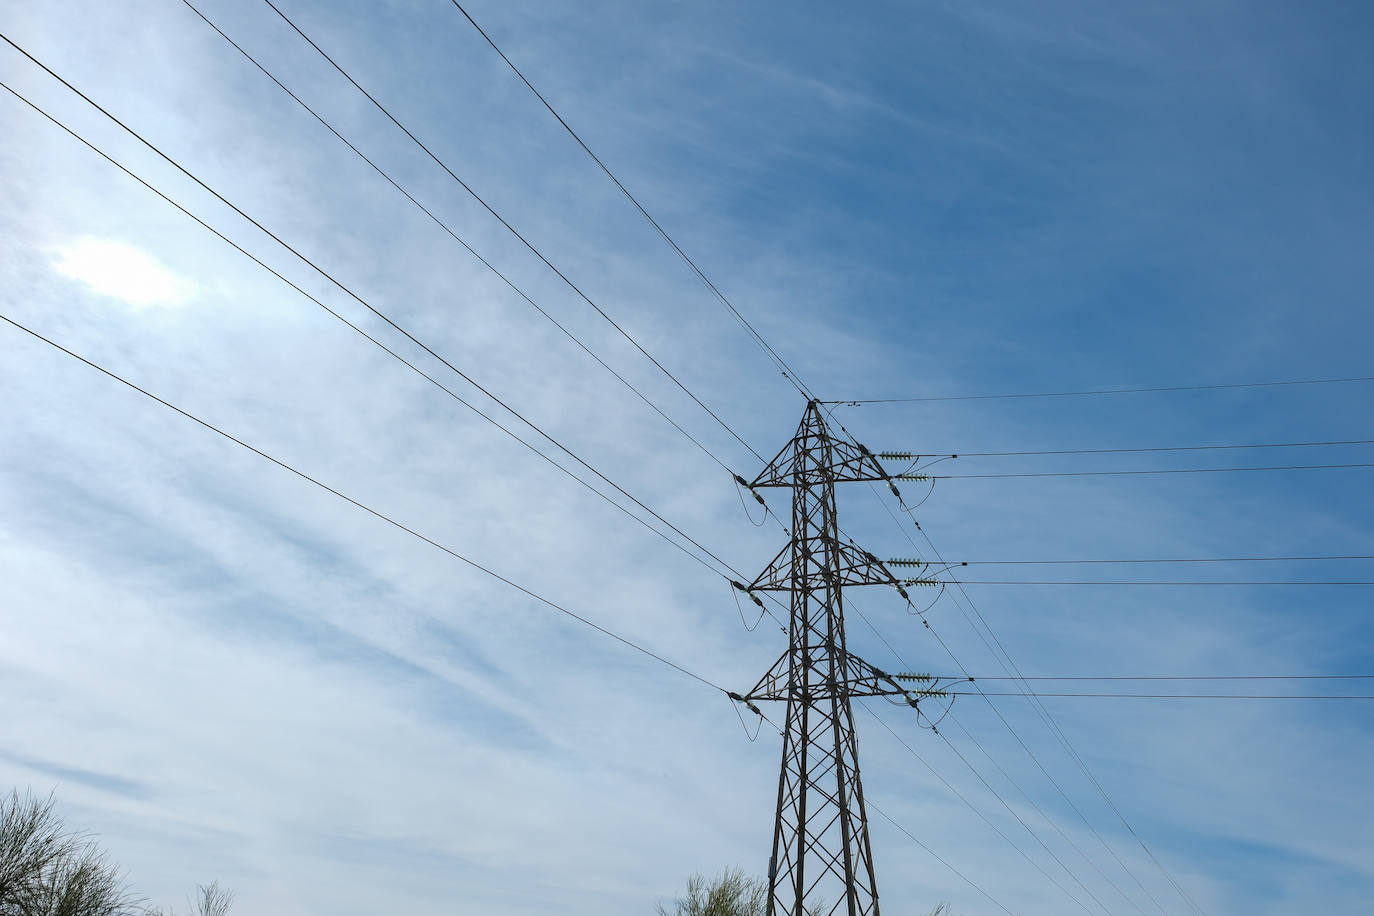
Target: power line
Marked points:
384	317
443	225
1168	677
447	550
1046	717
768	351
1034	864
1177	696
997	795
670	663
1013	782
360	331
1041	766
1045	817
537	253
1058	732
353	295
1042	712
1102	391
1170	448
368	509
911	836
967	880
378	343
396	524
1166	560
1283	467
906	665
1243	582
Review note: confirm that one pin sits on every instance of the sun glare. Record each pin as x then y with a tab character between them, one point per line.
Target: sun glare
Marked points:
122	272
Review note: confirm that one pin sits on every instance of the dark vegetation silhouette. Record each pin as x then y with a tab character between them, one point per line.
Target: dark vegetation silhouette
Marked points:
735	893
47	869
731	893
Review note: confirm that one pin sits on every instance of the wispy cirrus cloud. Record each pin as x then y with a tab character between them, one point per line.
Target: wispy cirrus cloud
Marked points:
333	717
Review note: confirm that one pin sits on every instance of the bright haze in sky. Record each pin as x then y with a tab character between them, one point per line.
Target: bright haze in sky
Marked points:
121	272
225	672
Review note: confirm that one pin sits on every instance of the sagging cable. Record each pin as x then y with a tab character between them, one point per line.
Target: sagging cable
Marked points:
747	702
750	487
741	587
743	724
742	620
738	492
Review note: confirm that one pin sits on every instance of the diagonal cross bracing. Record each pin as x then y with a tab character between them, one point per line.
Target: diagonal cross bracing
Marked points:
822	860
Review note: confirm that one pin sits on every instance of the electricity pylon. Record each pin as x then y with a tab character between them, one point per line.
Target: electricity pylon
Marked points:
822	860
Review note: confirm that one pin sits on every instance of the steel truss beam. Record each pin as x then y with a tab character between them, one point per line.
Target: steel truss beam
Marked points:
822	860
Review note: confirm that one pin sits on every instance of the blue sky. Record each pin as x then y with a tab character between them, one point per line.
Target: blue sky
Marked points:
226	673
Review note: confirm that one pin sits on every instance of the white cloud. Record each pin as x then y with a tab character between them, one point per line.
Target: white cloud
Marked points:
228	674
123	272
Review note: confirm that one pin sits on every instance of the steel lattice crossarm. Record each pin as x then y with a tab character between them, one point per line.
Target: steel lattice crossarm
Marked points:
852	566
857	678
843	461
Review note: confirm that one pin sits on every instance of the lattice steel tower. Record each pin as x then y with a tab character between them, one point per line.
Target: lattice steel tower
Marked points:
822	858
